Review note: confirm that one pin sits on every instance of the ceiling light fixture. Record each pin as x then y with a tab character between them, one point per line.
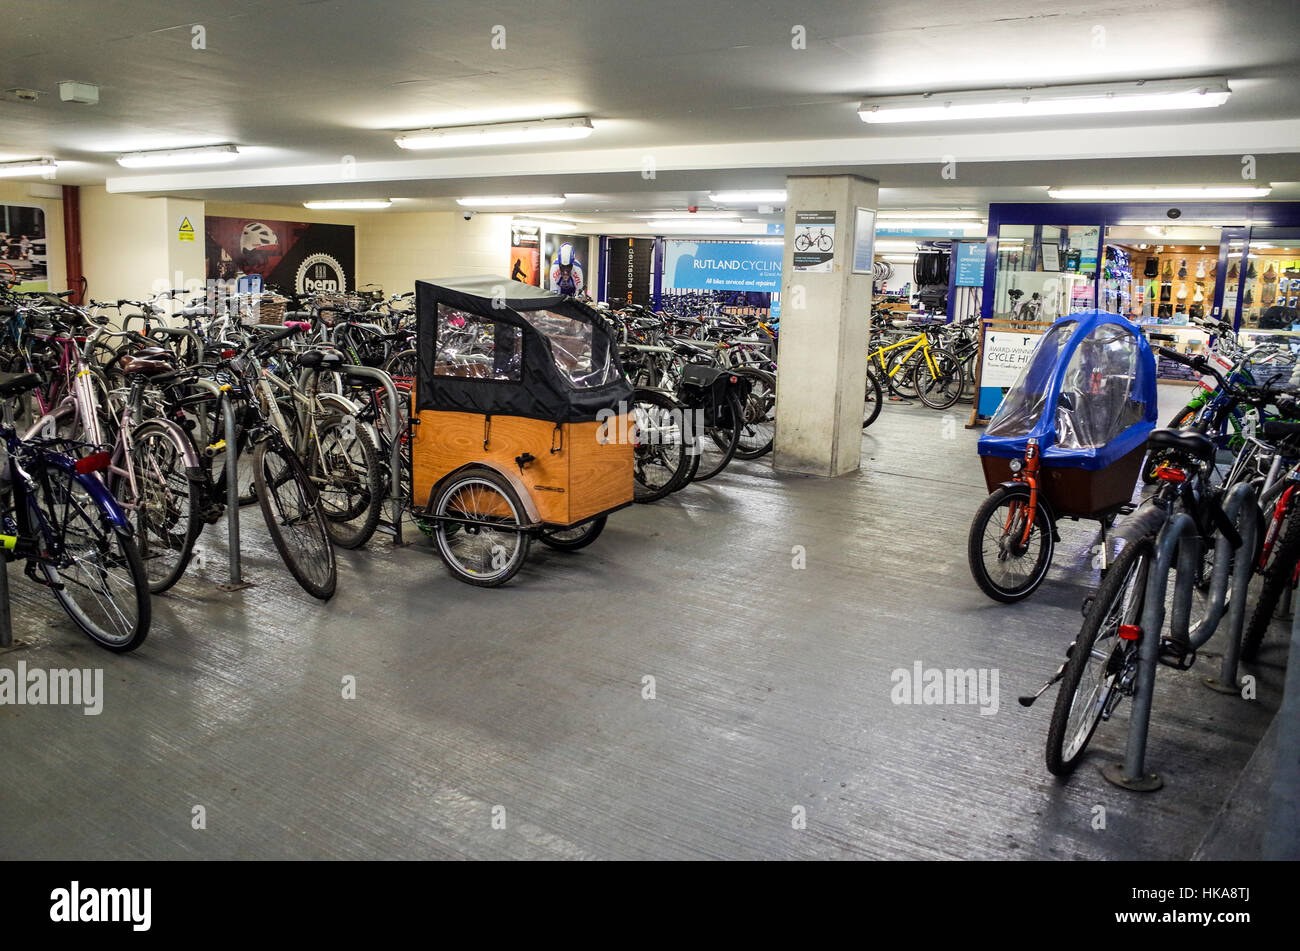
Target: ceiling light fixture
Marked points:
348	204
1141	96
1174	193
45	166
945	214
508	201
771	196
496	133
204	155
687	216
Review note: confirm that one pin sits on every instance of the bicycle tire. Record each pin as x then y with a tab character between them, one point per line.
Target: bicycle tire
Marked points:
487	498
652	455
755	441
718	442
976	543
104	537
574	538
943	390
1115	588
874	399
350	523
1277	578
288	500
180	506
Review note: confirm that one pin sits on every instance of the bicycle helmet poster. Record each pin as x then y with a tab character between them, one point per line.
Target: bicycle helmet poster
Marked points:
526	254
814	241
564	261
292	256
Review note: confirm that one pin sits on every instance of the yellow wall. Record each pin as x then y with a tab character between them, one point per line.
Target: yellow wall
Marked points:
394	250
17	193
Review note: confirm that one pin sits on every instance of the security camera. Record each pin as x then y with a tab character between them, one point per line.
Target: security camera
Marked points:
467	215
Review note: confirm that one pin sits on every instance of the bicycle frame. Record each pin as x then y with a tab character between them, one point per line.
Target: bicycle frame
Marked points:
919	342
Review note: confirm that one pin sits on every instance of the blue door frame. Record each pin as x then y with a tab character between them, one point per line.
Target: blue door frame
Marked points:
1261	215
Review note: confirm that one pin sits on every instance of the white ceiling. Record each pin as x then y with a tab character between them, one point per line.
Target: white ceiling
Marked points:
713	94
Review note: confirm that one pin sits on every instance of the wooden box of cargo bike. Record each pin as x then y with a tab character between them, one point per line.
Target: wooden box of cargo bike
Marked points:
526	384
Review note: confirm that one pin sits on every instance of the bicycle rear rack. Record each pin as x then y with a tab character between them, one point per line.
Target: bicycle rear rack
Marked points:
1178	539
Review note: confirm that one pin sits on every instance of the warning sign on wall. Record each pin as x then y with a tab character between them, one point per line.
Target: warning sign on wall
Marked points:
185	231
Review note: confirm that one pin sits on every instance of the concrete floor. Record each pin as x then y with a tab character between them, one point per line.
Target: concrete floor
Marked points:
772	684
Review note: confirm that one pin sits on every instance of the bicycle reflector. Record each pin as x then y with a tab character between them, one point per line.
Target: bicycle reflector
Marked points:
92	463
228	354
1170	473
1129	632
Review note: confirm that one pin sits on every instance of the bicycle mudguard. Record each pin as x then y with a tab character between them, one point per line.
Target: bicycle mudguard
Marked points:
1043	503
95	488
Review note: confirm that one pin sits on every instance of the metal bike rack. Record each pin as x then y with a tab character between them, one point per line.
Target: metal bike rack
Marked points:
6	622
232	485
395	438
1178	539
187	334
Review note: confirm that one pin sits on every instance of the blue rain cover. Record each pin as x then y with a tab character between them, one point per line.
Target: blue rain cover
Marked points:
1105	367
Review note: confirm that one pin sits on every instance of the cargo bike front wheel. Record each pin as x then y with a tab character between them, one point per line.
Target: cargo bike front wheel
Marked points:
481	528
1010	547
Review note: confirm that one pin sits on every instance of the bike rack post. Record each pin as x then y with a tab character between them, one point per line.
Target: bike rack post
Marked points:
6	622
236	577
183	332
1241	508
1131	774
395	439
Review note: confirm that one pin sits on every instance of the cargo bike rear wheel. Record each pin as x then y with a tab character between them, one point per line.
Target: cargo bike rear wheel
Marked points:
481	527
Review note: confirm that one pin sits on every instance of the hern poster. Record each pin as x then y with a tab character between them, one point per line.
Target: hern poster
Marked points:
290	256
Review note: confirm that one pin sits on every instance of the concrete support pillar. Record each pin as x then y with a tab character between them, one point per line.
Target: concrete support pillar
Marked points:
825	317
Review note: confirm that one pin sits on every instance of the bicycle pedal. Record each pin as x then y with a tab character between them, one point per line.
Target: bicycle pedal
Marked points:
211	514
1176	655
1087	604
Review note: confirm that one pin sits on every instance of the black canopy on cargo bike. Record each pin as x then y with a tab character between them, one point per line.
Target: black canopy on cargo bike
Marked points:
495	346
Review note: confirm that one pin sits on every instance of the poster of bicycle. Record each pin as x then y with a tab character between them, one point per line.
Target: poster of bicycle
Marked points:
22	245
814	240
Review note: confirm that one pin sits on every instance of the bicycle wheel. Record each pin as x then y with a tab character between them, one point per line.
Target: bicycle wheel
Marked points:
899	372
874	399
1005	566
1102	663
345	468
486	544
1278	574
717	444
99	579
661	458
941	386
165	512
293	517
571	539
759	429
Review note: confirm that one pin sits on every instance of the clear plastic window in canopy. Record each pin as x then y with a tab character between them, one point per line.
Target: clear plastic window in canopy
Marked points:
475	347
581	350
1099	392
1025	401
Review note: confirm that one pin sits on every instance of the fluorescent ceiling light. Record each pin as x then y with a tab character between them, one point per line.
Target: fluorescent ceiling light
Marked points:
689	215
508	201
204	155
922	224
946	214
1176	193
887	245
718	224
30	167
771	196
496	133
342	204
1048	101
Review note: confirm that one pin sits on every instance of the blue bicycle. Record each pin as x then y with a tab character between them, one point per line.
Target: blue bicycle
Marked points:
58	516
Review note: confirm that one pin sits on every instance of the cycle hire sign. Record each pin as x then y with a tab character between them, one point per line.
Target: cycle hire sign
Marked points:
814	240
1004	351
722	265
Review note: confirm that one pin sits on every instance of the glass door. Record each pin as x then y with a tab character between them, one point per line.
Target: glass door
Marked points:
1267	270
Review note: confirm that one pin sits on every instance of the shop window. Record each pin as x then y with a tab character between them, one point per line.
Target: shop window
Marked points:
1045	271
476	347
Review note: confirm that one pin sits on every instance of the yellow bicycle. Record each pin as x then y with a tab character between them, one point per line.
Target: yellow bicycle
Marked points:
912	368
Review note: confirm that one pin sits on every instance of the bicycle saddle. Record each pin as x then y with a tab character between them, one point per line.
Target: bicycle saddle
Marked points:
148	361
11	384
322	359
1190	443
